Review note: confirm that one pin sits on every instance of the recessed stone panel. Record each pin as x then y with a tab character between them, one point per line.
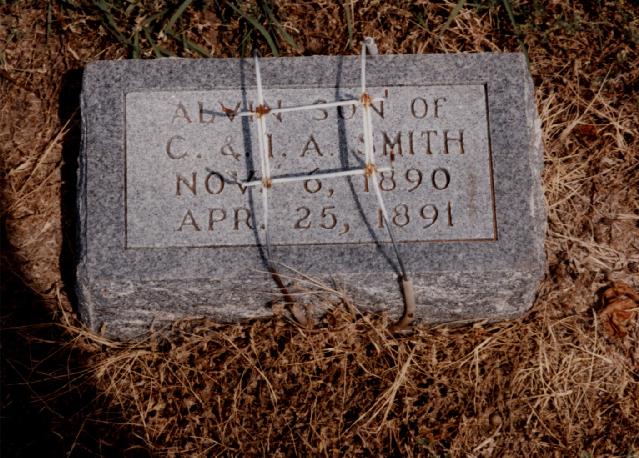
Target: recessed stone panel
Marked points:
186	151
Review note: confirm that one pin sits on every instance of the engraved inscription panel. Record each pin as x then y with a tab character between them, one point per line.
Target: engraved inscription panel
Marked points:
186	150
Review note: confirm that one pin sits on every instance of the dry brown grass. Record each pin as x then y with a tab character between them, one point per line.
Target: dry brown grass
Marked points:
554	383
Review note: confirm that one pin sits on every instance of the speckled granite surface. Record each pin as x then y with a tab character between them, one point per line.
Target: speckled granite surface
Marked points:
165	232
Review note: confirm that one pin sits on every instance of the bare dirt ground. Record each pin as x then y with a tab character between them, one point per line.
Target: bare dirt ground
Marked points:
561	381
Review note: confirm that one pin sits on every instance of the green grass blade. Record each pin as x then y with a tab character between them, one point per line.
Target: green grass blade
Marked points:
159	51
110	22
280	28
260	28
511	16
49	8
188	44
245	39
421	22
150	39
151	19
349	11
177	14
136	45
453	14
195	47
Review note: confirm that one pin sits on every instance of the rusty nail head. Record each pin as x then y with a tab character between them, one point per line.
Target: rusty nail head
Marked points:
369	169
262	110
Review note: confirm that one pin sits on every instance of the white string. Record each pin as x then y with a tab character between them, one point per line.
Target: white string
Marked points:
363	68
258	78
367	126
315	176
370	159
311	107
264	160
369	168
371	47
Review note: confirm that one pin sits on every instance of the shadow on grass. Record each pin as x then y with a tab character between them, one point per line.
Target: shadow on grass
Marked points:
49	404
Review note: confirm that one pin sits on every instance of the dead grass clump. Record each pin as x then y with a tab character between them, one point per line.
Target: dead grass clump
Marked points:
555	382
349	388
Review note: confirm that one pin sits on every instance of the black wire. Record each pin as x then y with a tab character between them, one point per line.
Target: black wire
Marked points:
399	258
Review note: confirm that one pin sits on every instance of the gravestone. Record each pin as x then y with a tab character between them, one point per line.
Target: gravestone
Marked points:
168	228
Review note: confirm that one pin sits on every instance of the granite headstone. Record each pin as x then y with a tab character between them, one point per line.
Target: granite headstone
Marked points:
167	230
